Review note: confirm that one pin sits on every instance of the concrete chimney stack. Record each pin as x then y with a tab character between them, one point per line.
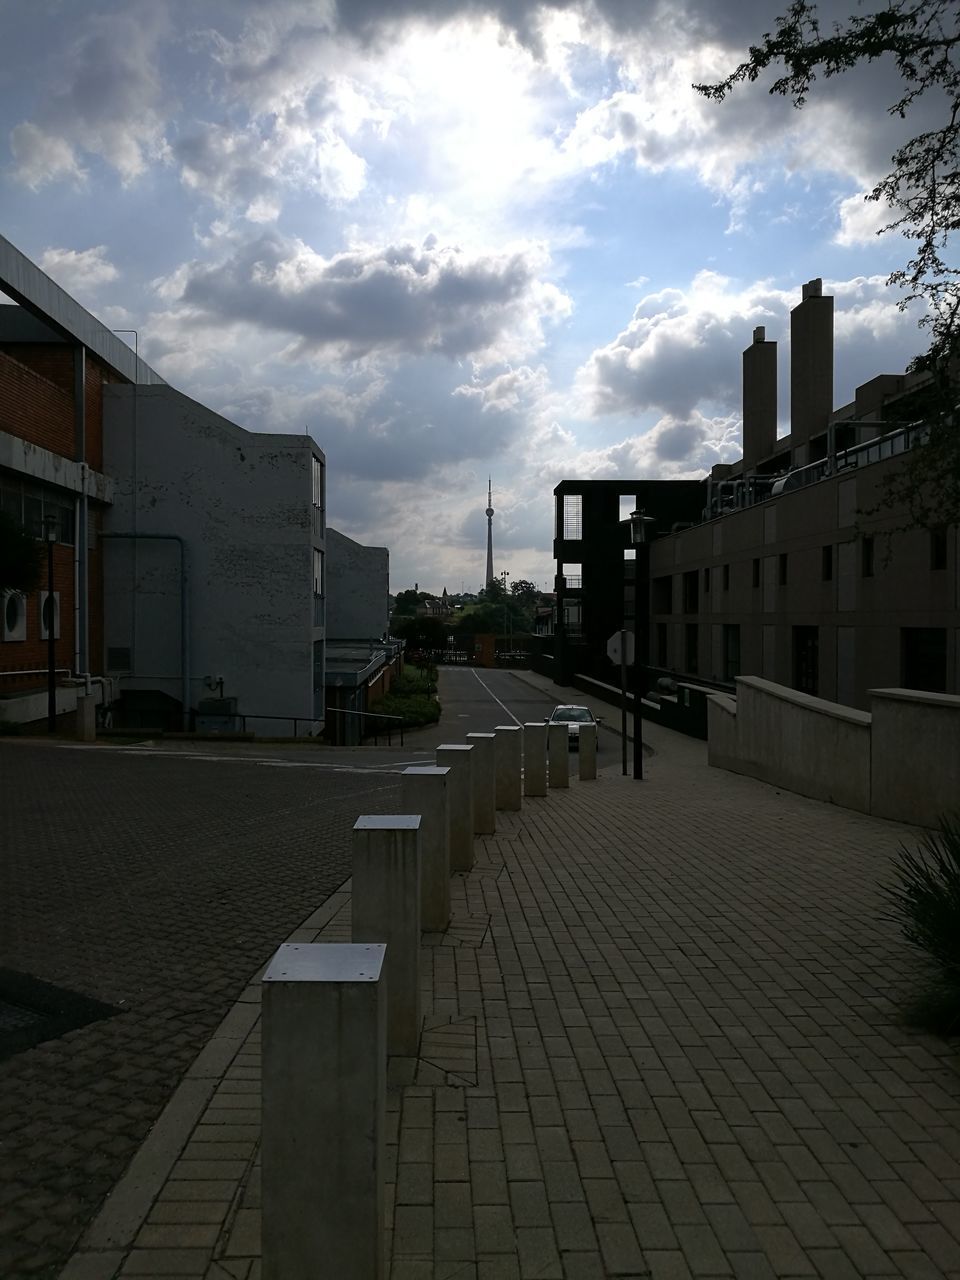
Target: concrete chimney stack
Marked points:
759	399
811	367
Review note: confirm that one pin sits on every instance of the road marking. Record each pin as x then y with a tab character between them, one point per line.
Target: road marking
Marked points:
497	700
395	766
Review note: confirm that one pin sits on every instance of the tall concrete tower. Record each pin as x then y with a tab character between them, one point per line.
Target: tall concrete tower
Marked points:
489	513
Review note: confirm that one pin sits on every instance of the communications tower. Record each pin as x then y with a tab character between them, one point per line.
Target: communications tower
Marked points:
489	513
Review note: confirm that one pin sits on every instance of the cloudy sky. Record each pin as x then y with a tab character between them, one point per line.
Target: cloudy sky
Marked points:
449	237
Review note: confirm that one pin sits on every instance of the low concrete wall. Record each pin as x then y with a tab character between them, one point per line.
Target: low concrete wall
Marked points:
806	744
899	761
915	770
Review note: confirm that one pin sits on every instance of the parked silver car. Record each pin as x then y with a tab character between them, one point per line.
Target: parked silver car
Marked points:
573	717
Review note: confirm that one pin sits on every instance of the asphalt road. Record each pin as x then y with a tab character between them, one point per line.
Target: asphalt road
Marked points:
157	878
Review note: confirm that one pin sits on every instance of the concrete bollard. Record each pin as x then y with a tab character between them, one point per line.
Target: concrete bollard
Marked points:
558	755
385	905
458	758
587	753
423	790
484	783
509	752
86	718
535	758
324	1097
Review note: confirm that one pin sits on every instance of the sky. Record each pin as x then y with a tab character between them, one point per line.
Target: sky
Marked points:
450	238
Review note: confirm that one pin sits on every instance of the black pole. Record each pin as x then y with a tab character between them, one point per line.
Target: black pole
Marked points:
637	682
51	646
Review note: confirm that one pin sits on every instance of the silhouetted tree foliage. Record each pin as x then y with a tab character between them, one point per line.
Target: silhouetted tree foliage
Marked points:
921	38
422	633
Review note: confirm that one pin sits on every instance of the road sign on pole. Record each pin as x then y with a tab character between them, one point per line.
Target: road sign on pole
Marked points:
620	648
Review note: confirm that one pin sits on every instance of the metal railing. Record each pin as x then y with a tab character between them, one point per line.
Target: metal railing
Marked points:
382	729
296	721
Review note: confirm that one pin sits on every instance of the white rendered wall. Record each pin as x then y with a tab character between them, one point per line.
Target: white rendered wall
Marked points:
242	502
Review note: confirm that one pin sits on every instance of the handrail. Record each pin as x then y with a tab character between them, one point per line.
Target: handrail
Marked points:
244	716
378	716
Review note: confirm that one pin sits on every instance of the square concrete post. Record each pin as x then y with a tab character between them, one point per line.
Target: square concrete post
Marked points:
385	905
423	790
484	783
558	755
458	758
509	749
86	718
587	752
324	1092
535	758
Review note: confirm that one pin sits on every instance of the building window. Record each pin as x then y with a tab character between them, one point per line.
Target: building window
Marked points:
663	594
731	651
318	496
691	598
806	658
782	568
572	577
662	654
572	517
317	572
826	563
726	577
938	549
866	556
923	658
572	621
756	573
690	648
706	582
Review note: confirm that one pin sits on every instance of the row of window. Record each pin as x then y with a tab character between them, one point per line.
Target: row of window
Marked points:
30	505
923	655
663	587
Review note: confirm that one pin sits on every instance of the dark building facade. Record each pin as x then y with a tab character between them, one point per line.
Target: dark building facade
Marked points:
786	564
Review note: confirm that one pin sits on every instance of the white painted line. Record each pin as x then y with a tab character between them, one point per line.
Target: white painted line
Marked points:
497	700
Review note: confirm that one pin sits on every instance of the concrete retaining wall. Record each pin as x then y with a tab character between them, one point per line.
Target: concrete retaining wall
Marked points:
915	772
900	761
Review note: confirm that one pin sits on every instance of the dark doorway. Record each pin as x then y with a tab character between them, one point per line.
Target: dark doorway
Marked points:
806	659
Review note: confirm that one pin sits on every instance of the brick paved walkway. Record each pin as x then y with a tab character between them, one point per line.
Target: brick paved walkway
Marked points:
158	885
660	1041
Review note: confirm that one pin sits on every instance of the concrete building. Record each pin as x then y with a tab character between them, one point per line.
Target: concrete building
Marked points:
361	660
213	567
790	567
189	563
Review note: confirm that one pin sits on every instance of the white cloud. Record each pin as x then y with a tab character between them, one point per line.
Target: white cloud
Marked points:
79	271
383	300
861	220
42	157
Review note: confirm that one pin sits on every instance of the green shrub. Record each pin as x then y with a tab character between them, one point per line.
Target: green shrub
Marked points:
416	708
413	681
925	903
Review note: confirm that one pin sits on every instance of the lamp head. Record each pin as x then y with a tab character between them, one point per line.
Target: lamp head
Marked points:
51	527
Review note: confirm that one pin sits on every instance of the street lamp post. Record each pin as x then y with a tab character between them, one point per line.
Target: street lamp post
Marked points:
50	529
638	539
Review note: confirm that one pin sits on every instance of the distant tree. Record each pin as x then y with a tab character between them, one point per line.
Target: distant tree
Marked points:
524	592
407	602
422	633
21	557
922	39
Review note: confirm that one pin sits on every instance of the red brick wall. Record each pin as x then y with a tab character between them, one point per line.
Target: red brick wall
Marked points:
34	407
